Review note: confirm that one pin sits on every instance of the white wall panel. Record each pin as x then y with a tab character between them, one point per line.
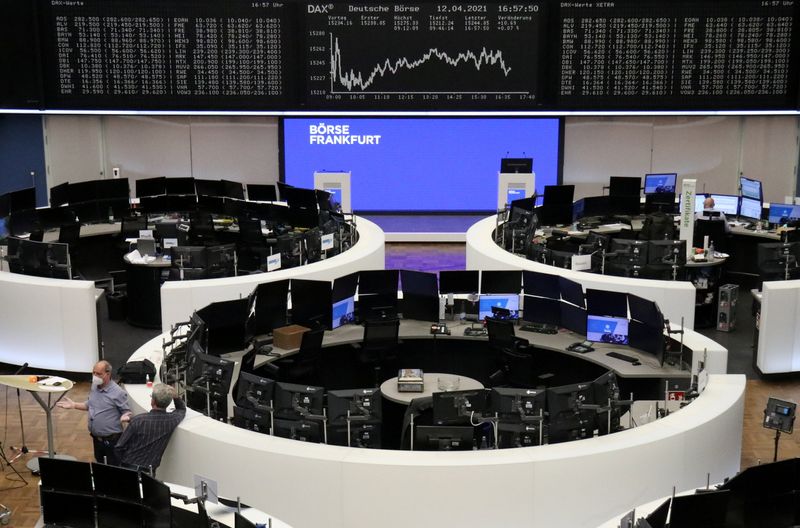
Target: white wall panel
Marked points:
73	148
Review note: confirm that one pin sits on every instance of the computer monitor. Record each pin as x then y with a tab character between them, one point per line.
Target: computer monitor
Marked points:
783	213
658	517
647	338
361	404
216	378
261	193
660	183
344	287
66	509
554	215
311	303
605	329
541	310
443	438
232	189
59	195
572	412
378	281
419	283
301	430
664	202
509	302
751	188
180	185
157	503
624	186
343	312
606	390
374	306
516	165
571	292
631	252
458	407
602	302
362	435
522	434
461	281
420	308
725	203
625	205
505	281
252	420
115	482
750	208
189	257
226	325
777	253
151	186
517	404
645	311
255	392
573	318
667	252
708	509
65	475
541	284
208	187
270	301
558	195
297	402
240	521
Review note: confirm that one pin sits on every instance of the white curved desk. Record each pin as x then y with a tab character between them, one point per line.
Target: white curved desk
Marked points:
675	298
48	323
180	298
567	485
778	331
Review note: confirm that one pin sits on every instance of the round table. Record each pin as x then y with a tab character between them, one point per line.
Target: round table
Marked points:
431	384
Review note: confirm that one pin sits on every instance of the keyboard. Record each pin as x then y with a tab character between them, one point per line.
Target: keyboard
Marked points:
475	332
540	328
623	357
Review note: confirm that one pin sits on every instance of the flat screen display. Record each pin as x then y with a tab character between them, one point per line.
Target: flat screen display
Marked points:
658	183
508	302
750	208
399	164
782	213
343	312
603	329
750	188
725	203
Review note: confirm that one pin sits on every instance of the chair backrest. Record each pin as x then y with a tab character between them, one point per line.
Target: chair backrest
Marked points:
381	333
422	411
501	333
250	232
69	233
658	226
519	367
132	225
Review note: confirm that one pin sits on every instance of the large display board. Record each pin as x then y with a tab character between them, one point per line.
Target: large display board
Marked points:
358	55
449	54
391	161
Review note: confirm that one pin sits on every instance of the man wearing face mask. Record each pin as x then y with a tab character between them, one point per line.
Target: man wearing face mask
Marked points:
108	408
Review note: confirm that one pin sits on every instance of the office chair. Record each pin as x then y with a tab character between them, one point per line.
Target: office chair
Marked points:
715	230
304	367
379	346
657	226
132	225
201	230
502	339
252	244
422	411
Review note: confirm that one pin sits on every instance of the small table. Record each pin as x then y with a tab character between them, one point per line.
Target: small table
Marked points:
22	381
431	385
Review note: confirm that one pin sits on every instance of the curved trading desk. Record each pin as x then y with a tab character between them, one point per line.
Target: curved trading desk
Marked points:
563	485
675	298
778	346
180	298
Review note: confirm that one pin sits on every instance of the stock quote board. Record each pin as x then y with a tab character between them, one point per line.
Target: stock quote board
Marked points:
424	54
677	54
168	54
540	55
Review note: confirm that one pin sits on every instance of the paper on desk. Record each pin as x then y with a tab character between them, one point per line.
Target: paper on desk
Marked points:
135	257
52	381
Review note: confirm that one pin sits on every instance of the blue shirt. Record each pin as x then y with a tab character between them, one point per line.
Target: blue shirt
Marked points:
106	405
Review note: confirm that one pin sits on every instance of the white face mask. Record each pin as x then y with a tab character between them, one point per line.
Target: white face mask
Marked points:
97	381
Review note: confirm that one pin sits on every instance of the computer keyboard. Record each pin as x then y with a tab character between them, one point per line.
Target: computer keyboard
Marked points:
623	357
475	332
540	328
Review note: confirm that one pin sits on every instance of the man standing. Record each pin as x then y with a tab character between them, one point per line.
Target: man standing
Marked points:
108	408
144	441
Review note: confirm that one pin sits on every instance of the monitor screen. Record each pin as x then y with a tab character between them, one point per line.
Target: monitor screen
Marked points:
180	185
624	186
457	407
751	188
541	310
507	281
458	281
726	203
541	284
572	292
782	213
750	208
344	287
558	195
208	187
343	312
261	193
311	303
59	195
573	318
378	281
607	329
508	302
660	183
419	283
393	158
295	402
232	189
151	186
443	438
355	404
421	307
646	311
516	165
254	392
602	302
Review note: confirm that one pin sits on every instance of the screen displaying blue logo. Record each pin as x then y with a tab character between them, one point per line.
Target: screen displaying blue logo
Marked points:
343	312
508	302
607	329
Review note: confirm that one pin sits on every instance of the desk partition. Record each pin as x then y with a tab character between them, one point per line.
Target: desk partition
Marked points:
778	331
675	298
180	298
50	323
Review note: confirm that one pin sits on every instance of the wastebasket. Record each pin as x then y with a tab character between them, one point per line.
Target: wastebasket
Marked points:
117	306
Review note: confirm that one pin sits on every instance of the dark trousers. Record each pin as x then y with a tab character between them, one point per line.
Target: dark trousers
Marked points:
104	451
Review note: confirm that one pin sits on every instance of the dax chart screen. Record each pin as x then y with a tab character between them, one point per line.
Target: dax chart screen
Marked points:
418	54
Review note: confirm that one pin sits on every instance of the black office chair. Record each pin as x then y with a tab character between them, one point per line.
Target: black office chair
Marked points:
519	368
658	226
201	230
378	349
502	339
252	244
714	230
422	411
304	367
